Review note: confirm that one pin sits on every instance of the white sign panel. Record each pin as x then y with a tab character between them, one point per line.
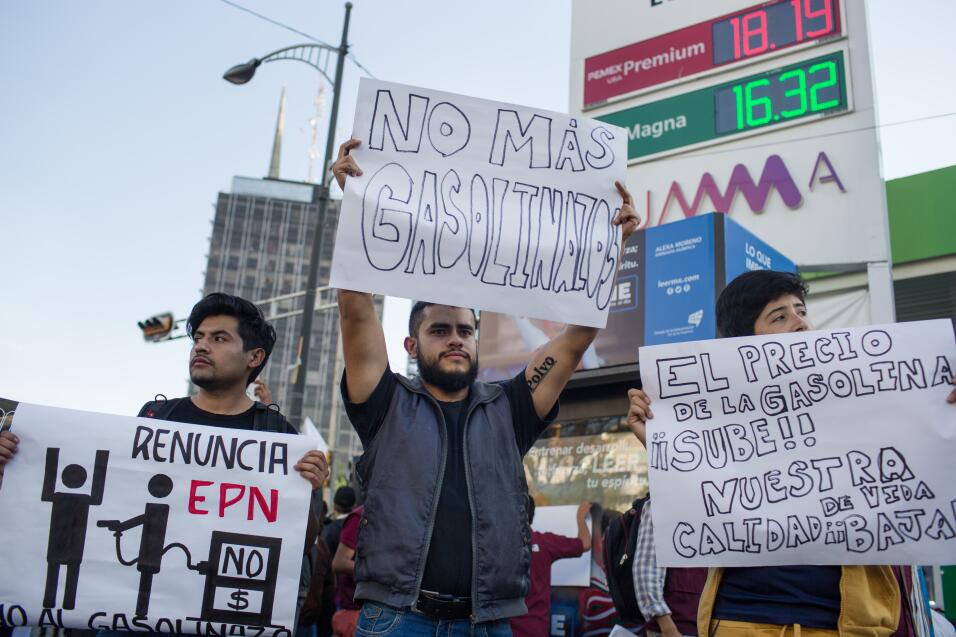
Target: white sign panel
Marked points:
481	204
804	448
138	524
807	182
562	520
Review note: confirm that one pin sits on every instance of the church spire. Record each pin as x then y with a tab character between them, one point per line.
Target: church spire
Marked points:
277	142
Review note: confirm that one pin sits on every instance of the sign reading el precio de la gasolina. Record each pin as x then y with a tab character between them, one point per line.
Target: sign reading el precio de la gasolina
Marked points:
827	447
737	38
811	88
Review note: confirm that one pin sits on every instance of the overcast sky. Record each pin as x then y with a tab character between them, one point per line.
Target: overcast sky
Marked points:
116	133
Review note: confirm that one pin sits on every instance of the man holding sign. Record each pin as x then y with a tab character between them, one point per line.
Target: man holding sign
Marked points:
232	342
445	540
824	599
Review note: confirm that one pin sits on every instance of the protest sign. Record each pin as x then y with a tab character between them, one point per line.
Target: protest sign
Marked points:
125	523
830	447
481	204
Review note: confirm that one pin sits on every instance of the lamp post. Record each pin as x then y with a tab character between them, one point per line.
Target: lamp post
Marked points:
310	54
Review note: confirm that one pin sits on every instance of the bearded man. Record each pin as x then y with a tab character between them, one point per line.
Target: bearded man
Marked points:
444	543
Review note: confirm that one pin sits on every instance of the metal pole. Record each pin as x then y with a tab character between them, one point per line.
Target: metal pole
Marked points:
297	407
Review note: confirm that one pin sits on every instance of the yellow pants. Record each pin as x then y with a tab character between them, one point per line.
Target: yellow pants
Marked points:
728	628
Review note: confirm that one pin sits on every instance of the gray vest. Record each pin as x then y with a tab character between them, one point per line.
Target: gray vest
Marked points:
402	470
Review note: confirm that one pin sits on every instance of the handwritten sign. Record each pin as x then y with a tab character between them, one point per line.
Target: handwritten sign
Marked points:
804	448
138	524
481	204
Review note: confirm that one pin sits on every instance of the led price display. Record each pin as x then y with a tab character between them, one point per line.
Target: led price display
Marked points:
729	40
764	101
807	89
785	23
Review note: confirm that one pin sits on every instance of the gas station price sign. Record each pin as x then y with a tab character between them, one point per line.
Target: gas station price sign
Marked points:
775	26
808	89
707	47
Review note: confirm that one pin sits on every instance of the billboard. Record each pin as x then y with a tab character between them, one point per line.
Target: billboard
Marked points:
761	110
609	468
666	289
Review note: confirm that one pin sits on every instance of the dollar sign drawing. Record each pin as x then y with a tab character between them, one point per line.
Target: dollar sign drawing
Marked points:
239	601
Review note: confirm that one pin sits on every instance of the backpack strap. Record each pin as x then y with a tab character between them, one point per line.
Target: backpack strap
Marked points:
160	408
268	418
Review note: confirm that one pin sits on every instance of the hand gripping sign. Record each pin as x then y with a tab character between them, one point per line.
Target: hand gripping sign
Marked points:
831	447
138	524
481	204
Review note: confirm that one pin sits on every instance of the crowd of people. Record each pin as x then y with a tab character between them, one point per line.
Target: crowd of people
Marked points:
442	542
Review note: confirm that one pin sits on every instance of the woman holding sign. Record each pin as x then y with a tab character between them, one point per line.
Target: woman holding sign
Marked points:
814	601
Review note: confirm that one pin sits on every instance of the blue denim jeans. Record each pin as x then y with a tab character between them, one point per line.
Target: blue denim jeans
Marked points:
379	620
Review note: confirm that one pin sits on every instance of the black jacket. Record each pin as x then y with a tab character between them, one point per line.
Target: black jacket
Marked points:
401	472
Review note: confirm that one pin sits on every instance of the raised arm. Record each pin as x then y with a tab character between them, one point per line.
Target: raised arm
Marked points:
363	341
584	510
552	365
363	344
99	476
49	473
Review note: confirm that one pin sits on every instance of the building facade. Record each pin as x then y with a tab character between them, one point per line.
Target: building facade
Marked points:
261	241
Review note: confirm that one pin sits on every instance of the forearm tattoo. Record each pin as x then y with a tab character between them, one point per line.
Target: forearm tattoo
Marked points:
538	373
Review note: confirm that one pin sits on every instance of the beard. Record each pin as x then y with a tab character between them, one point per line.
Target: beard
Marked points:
431	373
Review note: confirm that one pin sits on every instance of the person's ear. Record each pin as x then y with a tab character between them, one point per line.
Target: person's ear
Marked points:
411	346
257	356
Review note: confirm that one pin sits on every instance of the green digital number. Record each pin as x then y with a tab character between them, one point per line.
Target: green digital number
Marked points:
757	101
830	66
739	95
800	91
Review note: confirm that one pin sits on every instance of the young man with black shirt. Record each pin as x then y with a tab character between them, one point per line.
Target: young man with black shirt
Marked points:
231	343
445	541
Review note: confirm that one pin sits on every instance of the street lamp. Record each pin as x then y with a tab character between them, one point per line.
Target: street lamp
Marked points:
312	55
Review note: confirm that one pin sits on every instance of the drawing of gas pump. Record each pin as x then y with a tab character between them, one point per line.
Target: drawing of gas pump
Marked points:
241	575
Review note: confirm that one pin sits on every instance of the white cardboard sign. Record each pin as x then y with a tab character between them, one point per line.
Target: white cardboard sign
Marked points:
111	522
481	204
829	447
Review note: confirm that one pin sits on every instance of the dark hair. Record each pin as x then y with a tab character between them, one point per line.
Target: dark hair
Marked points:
417	315
344	499
531	508
744	298
254	330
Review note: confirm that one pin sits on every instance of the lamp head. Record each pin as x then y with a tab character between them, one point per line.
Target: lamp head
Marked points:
242	73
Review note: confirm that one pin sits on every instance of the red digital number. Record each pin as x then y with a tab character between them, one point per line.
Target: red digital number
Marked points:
802	9
745	31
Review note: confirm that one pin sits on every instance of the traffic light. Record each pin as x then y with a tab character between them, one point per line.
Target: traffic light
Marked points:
157	328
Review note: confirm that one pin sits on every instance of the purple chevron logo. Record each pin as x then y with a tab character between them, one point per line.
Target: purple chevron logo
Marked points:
775	177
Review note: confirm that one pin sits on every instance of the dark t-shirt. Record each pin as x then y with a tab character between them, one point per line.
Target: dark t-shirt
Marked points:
449	563
782	595
187	412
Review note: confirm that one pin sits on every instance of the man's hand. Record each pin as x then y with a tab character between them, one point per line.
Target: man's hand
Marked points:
344	166
626	217
263	395
8	448
583	510
314	467
638	413
952	395
667	626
